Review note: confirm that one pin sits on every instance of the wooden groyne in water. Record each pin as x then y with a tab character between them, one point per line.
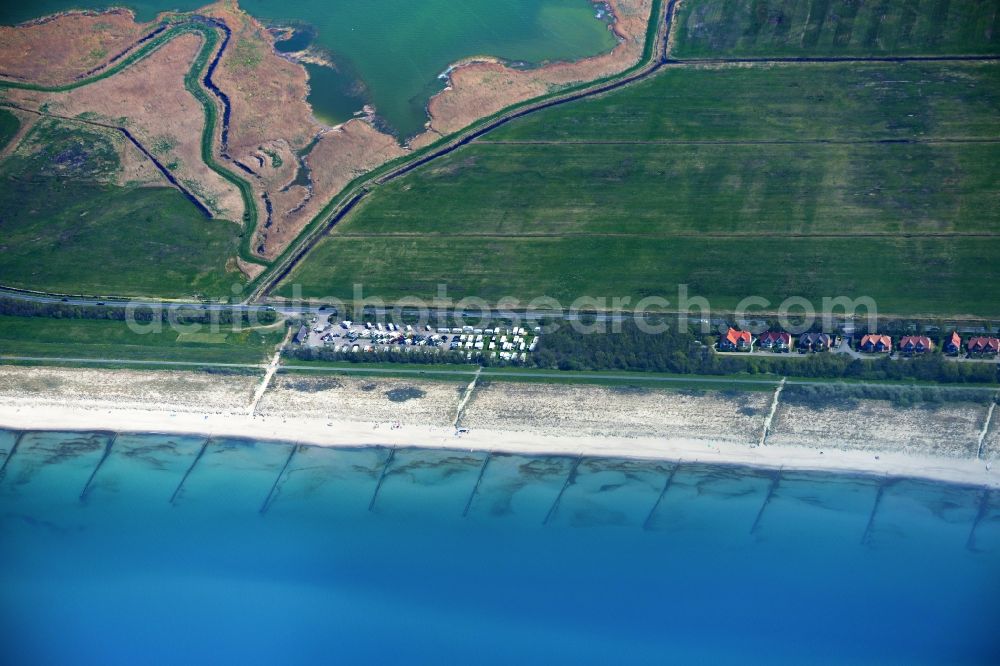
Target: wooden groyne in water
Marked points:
775	480
272	494
479	480
381	478
100	463
10	454
180	486
871	517
984	508
659	498
570	479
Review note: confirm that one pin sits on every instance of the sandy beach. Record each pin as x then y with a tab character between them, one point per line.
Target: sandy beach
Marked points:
340	411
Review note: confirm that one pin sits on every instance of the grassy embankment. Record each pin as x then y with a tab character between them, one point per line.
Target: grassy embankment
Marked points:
713	28
68	228
793	180
48	259
102	339
620	378
465	373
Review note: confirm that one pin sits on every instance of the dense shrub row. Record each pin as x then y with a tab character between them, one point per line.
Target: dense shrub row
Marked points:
182	314
632	349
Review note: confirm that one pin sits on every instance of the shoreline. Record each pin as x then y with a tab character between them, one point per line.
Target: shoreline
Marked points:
355	434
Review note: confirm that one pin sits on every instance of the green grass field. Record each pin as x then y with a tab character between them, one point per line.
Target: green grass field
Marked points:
662	190
771	181
718	28
861	101
96	338
911	276
67	228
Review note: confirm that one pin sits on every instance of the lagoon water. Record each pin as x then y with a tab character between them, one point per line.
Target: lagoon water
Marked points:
178	551
390	52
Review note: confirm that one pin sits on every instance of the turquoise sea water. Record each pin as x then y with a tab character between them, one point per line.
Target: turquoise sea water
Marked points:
390	52
258	556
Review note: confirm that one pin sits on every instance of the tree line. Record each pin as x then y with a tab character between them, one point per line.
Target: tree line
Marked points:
675	352
180	313
684	353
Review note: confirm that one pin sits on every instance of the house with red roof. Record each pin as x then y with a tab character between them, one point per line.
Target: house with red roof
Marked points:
983	346
873	343
777	341
735	340
953	344
915	344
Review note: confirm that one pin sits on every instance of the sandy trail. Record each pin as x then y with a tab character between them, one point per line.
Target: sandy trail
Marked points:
272	368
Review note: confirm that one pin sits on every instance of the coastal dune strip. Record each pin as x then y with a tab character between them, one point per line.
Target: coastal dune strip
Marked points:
870	437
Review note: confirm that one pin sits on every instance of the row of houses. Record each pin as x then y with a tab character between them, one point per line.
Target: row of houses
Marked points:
873	343
775	341
911	345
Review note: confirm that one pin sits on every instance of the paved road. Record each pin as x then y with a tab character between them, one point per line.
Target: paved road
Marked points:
448	313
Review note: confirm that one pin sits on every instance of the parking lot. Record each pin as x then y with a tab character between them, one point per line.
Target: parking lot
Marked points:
508	343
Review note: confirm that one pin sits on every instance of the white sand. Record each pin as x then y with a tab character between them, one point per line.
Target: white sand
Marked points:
339	411
597	411
991	442
949	429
